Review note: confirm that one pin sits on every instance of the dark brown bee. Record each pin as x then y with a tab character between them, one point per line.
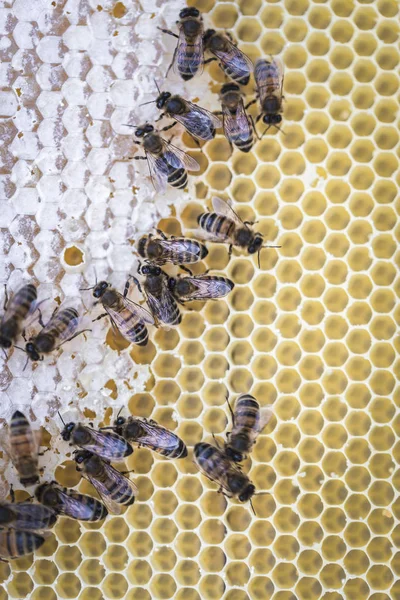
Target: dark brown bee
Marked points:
201	287
248	421
224	225
238	126
158	296
188	57
105	444
232	61
198	122
126	316
70	503
16	309
26	516
14	543
150	435
60	329
215	465
24	449
114	488
175	250
167	163
269	79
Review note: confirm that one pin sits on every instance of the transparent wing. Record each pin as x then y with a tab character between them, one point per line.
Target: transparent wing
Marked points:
119	319
179	245
141	312
209	287
31	517
157	436
117	480
238	124
199	122
221	207
112	506
202	234
158	170
163	307
268	76
58	323
177	158
73	503
266	413
189	61
108	445
238	63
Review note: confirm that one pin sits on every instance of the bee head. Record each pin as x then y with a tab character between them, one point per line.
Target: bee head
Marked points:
162	99
67	431
81	456
255	244
32	352
46	495
233	454
151	270
100	288
6	514
247	493
144	130
4	342
189	12
272	119
120	421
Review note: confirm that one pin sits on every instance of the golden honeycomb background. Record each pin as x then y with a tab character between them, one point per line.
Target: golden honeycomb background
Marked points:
313	333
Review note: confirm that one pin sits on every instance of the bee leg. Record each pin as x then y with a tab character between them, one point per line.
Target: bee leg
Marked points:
139	158
250	103
160	117
230	250
216	441
186	270
167	127
162	234
168	32
206	62
254	127
12	493
127	472
136	282
41	322
100	317
5	297
251	223
71	338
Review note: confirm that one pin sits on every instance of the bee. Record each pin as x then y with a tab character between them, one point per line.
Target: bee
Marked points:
248	421
16	309
232	61
15	543
238	126
105	444
175	250
126	316
60	329
113	487
201	287
26	516
24	449
150	435
269	80
158	296
224	225
198	122
70	503
188	57
215	465
167	163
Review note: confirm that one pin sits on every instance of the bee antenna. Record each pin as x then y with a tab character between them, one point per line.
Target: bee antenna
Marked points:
86	289
269	126
26	364
62	420
271	246
279	129
156	84
126	125
19	348
145	103
252	507
119	412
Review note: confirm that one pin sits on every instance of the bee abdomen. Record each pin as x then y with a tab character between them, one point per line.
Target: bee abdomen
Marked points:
14	543
243	145
242	80
178	178
138	334
178	451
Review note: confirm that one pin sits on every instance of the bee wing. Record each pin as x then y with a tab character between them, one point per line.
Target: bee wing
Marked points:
236	60
202	234
66	332
266	414
177	158
158	170
32	438
73	503
163	306
119	320
198	121
178	245
156	436
268	76
141	312
112	506
209	288
192	61
222	207
108	445
238	124
32	517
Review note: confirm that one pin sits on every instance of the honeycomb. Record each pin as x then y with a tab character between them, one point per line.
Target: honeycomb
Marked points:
312	332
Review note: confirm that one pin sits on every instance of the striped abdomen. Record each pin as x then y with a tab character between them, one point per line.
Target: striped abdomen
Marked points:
80	506
23	449
119	489
189	60
177	450
177	177
246	422
60	327
242	79
130	325
217	225
211	461
14	543
243	145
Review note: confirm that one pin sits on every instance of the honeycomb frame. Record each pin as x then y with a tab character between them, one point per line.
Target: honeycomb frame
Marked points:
313	332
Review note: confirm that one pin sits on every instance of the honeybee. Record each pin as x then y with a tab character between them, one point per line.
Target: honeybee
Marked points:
175	250
114	488
150	435
158	296
26	516
16	309
70	503
269	79
198	122
105	444
188	57
238	126
224	225
167	163
232	61
215	465
60	329
201	287
126	316
14	543
248	421
24	449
